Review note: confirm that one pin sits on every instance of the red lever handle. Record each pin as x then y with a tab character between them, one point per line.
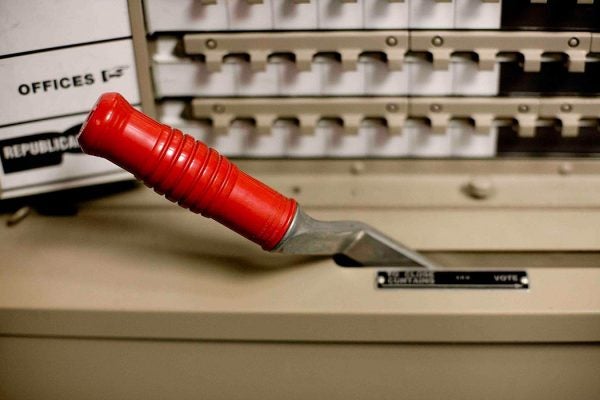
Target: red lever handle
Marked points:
186	171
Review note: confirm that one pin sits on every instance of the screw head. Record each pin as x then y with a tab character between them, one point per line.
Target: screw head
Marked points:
437	41
566	107
218	108
18	216
435	107
479	187
565	168
391	41
523	108
573	42
210	44
391	107
357	167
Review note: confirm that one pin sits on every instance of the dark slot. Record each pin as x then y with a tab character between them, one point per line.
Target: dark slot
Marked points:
548	141
554	15
553	79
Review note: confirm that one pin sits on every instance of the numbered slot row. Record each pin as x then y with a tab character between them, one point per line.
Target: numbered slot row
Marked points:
376	63
382	127
257	15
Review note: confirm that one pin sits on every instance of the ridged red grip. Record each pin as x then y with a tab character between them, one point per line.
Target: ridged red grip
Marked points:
186	171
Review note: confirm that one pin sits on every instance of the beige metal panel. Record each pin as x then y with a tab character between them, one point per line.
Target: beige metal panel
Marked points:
486	230
308	111
595	43
514	259
304	45
483	111
124	369
517	167
122	269
394	43
487	44
526	185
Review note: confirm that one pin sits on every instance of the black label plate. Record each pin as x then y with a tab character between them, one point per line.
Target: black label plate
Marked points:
427	279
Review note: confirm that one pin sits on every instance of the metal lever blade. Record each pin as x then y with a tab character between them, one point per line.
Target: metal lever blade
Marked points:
355	241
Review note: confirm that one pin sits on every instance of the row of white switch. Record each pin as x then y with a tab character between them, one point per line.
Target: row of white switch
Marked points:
175	76
239	15
330	140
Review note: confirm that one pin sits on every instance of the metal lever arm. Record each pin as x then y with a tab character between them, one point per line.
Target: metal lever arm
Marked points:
197	177
357	242
186	171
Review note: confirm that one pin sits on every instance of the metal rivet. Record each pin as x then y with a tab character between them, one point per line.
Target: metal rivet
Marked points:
391	107
357	168
566	107
565	168
218	108
437	41
573	42
210	44
523	108
479	187
391	41
435	107
18	216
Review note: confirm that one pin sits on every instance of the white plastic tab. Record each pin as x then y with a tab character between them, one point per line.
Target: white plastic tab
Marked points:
292	15
307	144
466	142
380	80
469	80
336	14
293	81
425	80
477	14
432	14
386	14
346	140
335	81
249	15
265	15
383	142
186	15
422	142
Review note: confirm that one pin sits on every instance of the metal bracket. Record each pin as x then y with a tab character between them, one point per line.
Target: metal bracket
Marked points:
356	241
